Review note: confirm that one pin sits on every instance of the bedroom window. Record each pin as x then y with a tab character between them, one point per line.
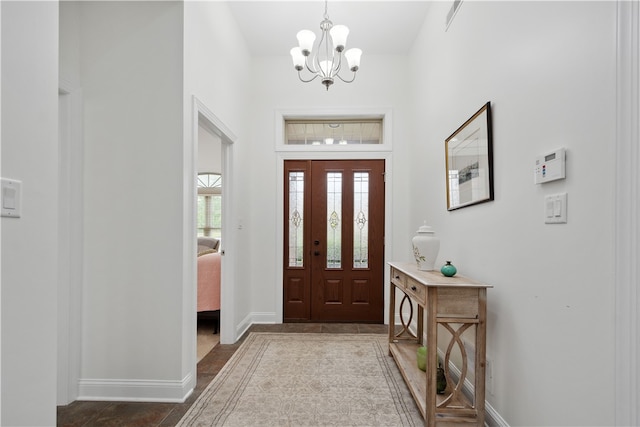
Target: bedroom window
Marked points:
209	205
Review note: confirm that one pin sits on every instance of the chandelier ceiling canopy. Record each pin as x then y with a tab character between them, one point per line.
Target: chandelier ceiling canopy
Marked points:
326	60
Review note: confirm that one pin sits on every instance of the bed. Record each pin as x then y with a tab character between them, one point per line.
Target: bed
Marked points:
209	281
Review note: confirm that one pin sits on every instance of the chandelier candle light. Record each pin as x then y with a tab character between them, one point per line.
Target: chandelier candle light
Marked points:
326	62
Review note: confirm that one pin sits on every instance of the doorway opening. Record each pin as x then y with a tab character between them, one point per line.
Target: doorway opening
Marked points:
210	154
209	236
334	222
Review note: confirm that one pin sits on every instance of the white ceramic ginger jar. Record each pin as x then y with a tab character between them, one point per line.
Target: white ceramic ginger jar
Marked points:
425	247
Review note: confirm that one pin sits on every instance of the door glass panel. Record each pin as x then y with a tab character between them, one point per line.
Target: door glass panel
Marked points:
361	220
296	218
334	223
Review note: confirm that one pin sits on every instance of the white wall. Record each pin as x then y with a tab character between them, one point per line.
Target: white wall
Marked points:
217	71
131	73
209	151
627	217
69	42
0	222
29	265
70	201
548	69
138	65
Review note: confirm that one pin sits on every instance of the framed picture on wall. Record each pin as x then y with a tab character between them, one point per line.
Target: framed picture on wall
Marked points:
469	161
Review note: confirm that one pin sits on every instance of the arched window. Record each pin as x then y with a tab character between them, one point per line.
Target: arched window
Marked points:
209	204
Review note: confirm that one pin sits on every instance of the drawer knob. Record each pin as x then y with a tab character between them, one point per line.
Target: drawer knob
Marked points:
413	288
398	277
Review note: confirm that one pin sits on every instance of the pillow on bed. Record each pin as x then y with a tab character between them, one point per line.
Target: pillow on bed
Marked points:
208	242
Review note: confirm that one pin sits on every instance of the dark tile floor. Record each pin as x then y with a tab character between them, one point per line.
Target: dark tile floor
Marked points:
138	414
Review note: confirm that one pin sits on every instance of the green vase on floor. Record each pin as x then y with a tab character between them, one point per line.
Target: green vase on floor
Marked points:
422	358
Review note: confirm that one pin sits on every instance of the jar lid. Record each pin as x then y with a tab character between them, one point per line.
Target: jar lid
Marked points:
425	228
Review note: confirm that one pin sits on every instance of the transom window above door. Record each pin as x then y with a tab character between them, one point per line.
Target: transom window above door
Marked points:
333	132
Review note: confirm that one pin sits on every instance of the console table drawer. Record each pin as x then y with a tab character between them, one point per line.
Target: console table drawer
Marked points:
416	290
398	278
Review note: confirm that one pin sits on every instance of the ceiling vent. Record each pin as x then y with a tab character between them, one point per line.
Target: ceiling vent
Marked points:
452	12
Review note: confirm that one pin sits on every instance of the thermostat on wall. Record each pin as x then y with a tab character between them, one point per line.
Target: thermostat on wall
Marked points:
549	167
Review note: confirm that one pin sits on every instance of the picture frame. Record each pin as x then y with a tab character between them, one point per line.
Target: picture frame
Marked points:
469	162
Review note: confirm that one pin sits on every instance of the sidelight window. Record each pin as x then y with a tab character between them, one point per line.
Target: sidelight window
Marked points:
296	219
334	220
361	220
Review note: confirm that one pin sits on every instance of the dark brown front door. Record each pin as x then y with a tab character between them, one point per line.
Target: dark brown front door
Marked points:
334	241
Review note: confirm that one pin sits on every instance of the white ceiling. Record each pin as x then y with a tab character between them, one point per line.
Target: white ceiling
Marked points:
376	27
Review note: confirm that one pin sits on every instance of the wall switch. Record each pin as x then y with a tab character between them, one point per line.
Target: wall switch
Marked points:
11	198
555	209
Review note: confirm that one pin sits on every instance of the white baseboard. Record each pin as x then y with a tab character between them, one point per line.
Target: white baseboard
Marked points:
241	328
491	417
136	390
258	318
267	318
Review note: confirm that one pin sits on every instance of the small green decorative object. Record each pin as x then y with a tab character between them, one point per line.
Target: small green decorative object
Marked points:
422	358
448	269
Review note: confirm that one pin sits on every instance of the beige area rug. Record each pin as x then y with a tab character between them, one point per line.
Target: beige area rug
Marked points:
289	379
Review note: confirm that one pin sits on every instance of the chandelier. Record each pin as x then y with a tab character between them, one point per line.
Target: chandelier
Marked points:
326	62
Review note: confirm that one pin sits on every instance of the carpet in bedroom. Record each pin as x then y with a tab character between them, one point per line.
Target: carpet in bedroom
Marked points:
206	338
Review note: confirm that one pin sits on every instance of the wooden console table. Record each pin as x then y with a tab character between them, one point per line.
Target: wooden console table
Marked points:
456	304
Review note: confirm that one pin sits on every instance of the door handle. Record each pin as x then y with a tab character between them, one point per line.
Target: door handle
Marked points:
316	242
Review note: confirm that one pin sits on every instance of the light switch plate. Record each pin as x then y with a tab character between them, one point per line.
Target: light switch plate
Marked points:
555	209
11	194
